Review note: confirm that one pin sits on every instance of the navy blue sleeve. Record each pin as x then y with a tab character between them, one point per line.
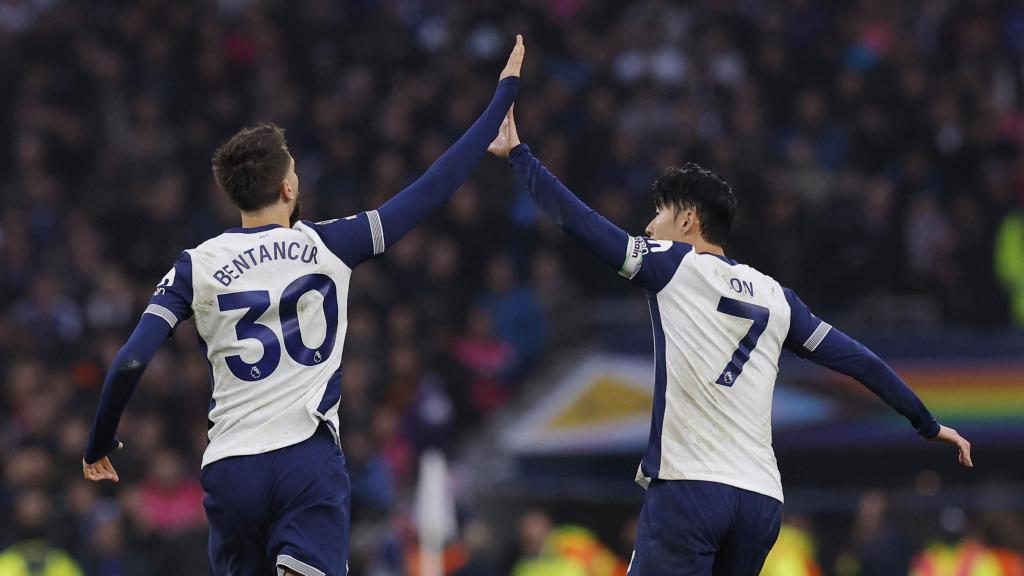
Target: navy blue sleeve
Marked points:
652	263
121	381
360	237
649	263
354	239
172	299
813	339
410	206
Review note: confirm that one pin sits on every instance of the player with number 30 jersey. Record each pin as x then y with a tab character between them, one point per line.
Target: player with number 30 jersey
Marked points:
270	302
714	497
270	311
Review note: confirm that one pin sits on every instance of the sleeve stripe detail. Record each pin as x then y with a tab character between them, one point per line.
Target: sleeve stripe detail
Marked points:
167	315
376	231
817	336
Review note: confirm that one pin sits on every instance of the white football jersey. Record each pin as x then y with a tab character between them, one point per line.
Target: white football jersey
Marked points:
270	305
719	329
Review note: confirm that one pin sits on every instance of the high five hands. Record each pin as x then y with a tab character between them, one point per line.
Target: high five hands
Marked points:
507	138
515	59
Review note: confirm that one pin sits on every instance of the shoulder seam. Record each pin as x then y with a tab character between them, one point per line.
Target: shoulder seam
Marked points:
314	231
688	250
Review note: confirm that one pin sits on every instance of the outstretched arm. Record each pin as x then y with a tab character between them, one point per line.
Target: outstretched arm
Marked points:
365	235
122	379
606	240
815	340
170	304
648	263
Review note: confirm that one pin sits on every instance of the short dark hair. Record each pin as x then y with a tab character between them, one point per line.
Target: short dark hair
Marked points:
250	166
693	187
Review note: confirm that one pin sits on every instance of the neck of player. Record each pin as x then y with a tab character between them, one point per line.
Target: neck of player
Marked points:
702	246
277	214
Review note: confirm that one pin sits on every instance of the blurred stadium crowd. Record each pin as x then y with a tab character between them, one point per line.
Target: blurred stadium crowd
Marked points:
876	149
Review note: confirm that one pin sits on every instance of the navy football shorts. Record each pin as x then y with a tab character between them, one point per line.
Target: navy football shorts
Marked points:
695	528
284	509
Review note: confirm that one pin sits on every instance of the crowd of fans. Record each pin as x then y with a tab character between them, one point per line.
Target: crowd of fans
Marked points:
875	542
876	150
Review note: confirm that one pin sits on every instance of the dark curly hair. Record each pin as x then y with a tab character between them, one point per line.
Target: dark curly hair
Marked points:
250	166
693	187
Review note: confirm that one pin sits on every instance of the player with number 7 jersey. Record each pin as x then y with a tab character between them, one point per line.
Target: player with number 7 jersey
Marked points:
714	495
270	304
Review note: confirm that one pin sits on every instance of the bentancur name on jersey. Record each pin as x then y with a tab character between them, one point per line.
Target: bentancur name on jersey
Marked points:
248	259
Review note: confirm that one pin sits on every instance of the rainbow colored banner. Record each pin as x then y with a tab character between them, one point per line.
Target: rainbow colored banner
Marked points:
961	391
603	405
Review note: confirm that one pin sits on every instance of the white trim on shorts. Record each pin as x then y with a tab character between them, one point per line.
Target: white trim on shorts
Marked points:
295	565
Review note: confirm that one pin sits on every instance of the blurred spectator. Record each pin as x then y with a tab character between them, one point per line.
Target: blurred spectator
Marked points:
373	488
534	528
1010	261
875	547
47	314
31	554
569	550
107	553
558	295
963	549
582	546
966	557
479	541
488	361
513	309
396	448
795	553
169	501
168	509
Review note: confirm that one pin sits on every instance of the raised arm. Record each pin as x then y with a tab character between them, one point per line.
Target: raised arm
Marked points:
170	304
606	240
811	338
648	263
368	234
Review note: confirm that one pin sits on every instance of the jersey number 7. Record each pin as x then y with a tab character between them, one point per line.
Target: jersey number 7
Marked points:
740	309
256	302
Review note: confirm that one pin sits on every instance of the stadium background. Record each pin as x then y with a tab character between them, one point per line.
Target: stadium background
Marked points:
876	148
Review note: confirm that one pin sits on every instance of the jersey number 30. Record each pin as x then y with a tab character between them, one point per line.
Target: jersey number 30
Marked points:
740	309
256	302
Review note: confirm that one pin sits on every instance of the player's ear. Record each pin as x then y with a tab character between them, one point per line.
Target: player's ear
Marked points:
686	221
287	192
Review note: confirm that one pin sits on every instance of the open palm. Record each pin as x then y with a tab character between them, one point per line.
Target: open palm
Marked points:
507	137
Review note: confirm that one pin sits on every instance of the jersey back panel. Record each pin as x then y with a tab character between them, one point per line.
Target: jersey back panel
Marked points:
719	329
270	310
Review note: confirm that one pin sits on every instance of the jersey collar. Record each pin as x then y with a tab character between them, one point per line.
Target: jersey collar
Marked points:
725	259
241	230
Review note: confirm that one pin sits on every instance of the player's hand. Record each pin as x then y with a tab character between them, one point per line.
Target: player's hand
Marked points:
515	59
950	436
507	137
101	469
